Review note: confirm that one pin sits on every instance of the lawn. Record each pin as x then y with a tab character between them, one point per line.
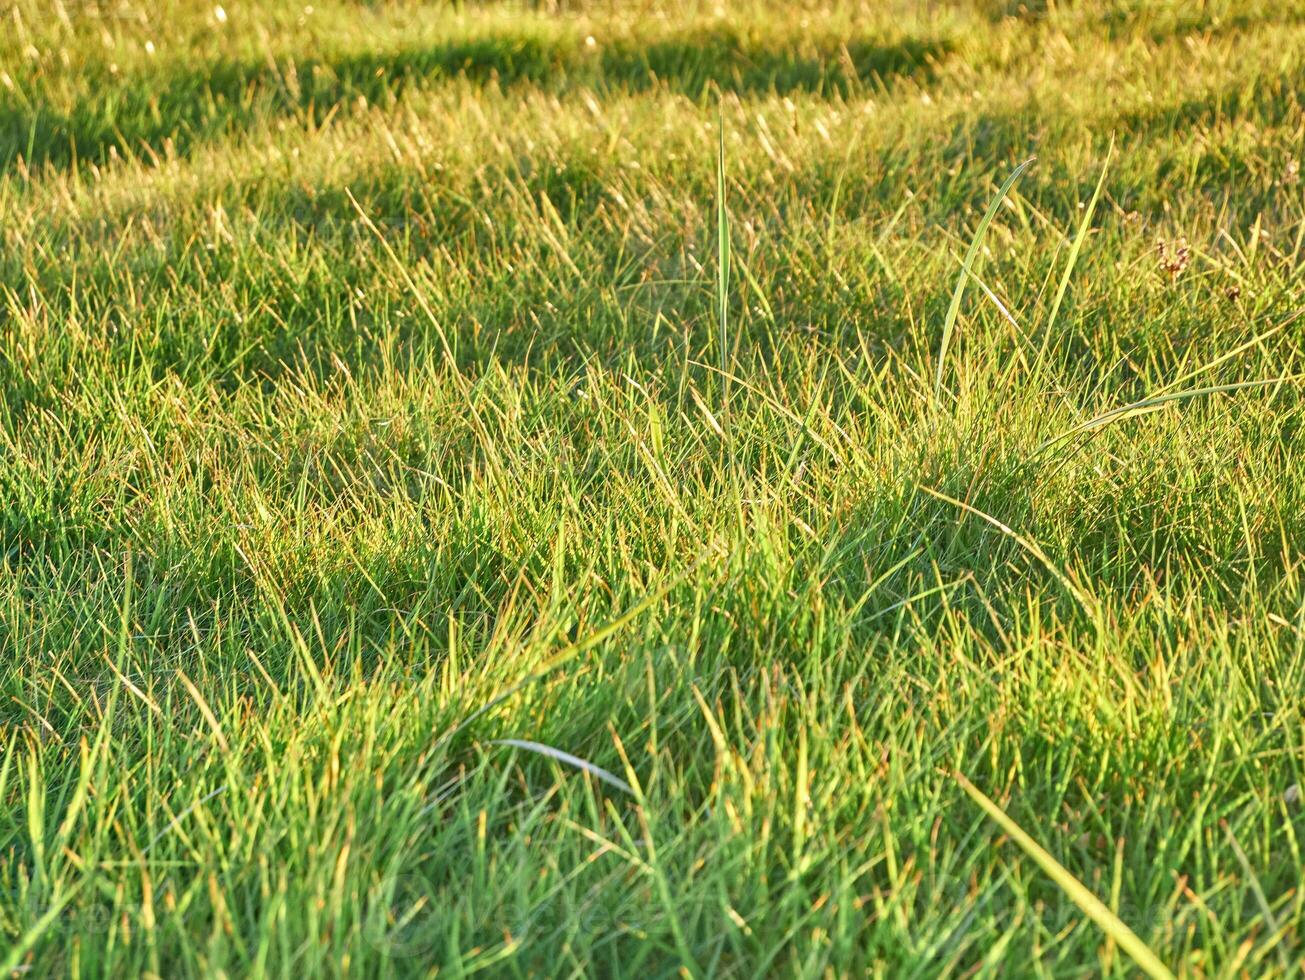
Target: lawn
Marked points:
652	489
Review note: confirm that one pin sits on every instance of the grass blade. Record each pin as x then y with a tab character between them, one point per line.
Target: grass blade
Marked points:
557	755
949	324
14	959
573	650
1151	404
1096	910
722	271
1032	547
1079	239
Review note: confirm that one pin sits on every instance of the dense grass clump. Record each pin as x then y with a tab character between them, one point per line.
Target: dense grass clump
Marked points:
555	489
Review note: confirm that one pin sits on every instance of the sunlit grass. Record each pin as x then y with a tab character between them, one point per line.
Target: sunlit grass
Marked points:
537	490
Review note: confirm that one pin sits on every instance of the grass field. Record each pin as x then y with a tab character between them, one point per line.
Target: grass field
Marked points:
396	397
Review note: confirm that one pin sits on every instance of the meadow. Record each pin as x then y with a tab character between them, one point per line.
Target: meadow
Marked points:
662	488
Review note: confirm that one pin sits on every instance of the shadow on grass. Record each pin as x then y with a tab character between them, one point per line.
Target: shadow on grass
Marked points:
382	605
175	112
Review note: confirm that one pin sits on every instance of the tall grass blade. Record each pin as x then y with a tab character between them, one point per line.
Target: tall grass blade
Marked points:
1096	910
949	324
722	272
1074	250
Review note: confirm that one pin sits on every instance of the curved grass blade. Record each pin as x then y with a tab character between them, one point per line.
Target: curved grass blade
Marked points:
1079	239
722	268
1145	405
557	755
1088	604
1096	910
573	650
949	324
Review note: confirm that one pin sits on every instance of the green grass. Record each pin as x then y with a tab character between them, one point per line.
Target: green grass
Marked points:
397	397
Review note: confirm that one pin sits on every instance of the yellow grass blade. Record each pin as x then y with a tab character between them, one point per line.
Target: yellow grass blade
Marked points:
1096	910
